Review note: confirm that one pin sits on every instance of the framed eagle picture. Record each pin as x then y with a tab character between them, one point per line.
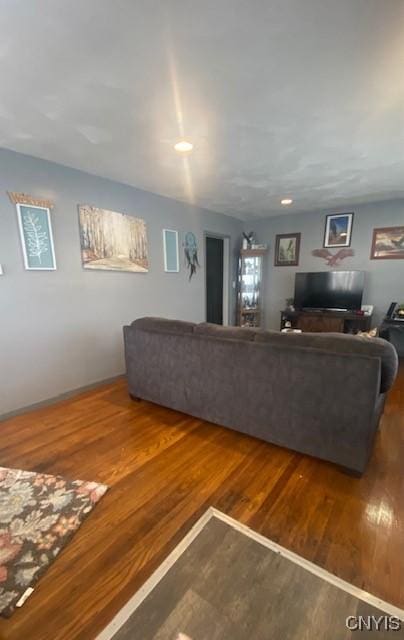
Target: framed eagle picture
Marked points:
287	250
338	230
388	244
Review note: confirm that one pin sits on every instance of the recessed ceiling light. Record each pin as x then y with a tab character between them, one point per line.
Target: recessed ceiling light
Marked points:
286	201
183	146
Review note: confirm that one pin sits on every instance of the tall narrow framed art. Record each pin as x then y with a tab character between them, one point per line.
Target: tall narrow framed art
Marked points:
171	255
36	237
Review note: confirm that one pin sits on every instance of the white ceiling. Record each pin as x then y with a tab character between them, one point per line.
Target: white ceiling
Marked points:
300	98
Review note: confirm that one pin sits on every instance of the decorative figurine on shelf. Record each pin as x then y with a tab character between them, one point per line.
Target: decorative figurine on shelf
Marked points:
248	239
290	305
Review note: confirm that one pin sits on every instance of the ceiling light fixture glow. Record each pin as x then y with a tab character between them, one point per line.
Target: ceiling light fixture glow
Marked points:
183	146
286	201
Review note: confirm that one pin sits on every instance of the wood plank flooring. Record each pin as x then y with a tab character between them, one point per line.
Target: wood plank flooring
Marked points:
165	469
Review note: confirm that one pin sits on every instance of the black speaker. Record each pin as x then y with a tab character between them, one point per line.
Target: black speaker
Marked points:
391	309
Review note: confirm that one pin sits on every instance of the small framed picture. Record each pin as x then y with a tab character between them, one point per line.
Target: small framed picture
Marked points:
388	244
338	230
36	237
171	255
287	250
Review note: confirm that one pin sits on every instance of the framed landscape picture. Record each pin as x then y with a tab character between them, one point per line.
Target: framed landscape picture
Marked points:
36	237
388	244
338	230
287	250
112	241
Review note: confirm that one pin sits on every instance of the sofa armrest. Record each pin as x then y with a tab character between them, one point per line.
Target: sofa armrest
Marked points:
330	401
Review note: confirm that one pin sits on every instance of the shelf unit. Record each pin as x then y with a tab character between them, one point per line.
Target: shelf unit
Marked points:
250	287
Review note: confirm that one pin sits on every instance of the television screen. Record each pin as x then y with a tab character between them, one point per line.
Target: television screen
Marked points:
329	290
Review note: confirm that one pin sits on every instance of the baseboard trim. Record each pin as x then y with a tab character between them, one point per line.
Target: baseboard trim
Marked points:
61	396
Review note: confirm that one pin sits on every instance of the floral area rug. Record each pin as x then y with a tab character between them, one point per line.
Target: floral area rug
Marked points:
39	513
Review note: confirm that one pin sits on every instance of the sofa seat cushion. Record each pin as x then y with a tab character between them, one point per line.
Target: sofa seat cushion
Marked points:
229	333
163	325
342	343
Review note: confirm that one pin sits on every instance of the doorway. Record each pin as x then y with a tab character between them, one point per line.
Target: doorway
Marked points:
217	278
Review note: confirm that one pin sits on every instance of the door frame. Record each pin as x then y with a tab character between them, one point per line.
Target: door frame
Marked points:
226	273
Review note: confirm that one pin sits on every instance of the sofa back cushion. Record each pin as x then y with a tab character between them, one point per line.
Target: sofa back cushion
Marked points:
226	333
163	324
330	342
342	343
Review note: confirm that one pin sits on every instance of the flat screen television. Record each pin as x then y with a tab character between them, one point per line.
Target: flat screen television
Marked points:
338	290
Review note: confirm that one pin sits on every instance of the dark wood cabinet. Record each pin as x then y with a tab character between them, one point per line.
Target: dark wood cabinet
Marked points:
326	321
320	323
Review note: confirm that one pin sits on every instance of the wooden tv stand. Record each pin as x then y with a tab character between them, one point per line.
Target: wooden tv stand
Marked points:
319	321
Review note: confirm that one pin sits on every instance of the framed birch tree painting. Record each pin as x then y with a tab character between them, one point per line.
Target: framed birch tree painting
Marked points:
36	237
112	241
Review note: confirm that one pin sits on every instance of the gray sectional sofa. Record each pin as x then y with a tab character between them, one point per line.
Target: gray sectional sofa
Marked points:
320	394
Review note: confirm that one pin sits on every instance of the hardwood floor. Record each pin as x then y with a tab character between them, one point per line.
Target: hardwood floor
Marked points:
164	469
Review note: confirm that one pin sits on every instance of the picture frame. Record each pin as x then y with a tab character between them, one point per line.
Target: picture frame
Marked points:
36	237
287	250
338	230
112	241
388	243
171	251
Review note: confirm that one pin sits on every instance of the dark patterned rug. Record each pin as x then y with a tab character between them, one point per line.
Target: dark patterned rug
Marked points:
39	513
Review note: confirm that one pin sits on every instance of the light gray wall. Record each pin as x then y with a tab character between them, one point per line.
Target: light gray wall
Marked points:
384	278
62	330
